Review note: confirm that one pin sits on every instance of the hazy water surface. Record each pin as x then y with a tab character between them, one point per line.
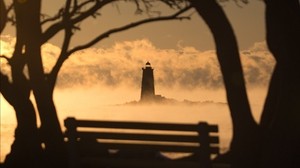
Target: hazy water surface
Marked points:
90	104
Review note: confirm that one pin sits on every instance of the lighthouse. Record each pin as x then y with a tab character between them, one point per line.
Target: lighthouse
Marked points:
147	91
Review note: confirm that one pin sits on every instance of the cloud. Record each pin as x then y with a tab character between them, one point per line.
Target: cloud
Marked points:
121	65
183	67
258	64
6	45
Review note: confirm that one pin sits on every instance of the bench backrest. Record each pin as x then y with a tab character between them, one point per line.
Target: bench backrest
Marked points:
164	137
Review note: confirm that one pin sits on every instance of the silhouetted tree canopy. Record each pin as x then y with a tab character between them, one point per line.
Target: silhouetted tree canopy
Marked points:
31	34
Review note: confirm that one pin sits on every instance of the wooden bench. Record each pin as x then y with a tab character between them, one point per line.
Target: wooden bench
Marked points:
111	144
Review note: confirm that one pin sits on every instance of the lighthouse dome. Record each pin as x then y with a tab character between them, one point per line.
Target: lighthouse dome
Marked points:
148	64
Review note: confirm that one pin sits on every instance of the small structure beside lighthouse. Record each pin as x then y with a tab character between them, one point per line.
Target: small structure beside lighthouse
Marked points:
147	91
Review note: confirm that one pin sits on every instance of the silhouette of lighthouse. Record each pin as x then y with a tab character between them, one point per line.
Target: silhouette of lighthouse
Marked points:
147	92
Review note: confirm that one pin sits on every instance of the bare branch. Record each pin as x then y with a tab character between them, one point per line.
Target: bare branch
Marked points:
68	22
64	54
126	27
6	88
77	8
237	2
98	4
3	15
138	8
175	3
51	31
10	7
54	18
6	58
52	77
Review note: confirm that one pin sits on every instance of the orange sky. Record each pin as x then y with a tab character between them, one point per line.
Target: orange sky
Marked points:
247	20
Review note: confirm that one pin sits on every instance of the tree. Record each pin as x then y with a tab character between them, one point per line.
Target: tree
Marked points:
281	114
274	141
231	68
24	149
27	52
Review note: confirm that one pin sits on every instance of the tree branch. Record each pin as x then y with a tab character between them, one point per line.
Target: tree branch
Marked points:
6	89
52	30
54	18
3	15
67	39
77	8
9	60
55	28
126	27
5	57
64	54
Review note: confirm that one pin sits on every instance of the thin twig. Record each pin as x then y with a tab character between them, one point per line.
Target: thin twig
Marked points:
128	26
6	58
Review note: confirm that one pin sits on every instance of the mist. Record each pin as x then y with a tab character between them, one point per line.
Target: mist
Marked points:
100	103
184	68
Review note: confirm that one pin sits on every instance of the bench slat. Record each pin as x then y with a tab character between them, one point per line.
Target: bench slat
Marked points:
145	147
148	137
136	125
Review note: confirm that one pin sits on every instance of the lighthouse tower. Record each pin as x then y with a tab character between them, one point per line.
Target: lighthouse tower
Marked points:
147	92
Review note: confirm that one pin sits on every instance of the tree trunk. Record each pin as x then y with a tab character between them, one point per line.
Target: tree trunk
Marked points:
245	129
28	15
3	15
26	149
281	115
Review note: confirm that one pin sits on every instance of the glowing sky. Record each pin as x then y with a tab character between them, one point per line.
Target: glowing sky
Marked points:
247	21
